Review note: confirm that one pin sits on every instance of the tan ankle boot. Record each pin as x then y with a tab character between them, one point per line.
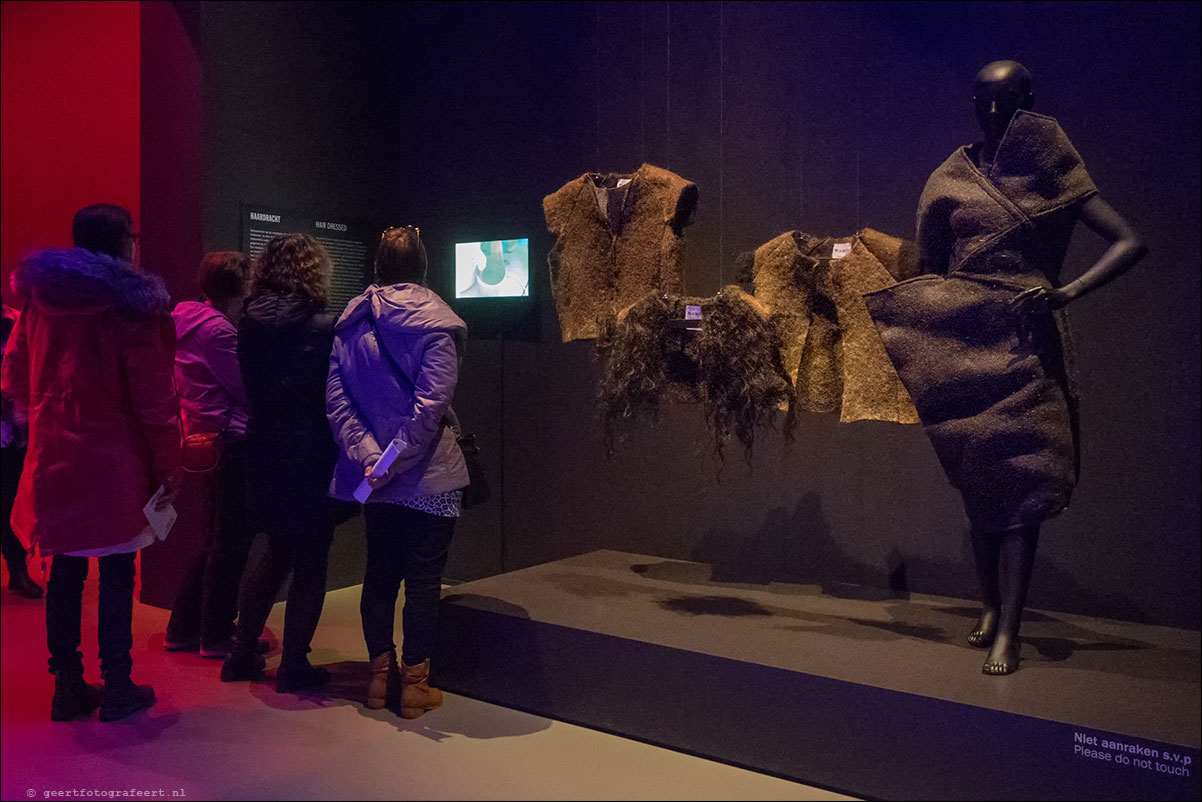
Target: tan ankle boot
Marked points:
417	696
385	680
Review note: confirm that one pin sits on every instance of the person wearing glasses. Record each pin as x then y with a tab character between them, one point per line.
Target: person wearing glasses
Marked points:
89	365
393	371
284	341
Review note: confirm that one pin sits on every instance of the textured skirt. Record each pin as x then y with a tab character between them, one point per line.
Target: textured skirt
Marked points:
994	400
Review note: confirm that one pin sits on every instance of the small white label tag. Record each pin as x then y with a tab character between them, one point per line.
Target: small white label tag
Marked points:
692	312
840	250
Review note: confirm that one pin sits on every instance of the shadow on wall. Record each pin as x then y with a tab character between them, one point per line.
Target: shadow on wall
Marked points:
798	547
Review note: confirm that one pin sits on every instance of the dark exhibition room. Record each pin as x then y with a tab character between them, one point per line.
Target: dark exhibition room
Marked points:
601	400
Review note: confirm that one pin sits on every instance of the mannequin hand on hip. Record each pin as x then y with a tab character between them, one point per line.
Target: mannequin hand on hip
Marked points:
1030	304
1039	300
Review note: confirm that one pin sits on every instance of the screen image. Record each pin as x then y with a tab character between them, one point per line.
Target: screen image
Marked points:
494	269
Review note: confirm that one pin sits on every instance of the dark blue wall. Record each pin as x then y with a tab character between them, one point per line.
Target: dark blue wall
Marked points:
826	117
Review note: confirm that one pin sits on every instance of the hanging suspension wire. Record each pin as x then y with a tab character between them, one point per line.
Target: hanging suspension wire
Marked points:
801	151
859	106
597	82
668	87
643	80
722	144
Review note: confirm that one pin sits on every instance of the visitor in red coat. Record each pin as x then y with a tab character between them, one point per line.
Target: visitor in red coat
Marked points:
90	363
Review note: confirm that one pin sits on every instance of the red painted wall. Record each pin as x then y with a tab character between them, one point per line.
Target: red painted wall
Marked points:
71	117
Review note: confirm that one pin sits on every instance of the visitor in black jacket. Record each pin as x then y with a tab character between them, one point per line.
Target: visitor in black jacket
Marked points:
284	342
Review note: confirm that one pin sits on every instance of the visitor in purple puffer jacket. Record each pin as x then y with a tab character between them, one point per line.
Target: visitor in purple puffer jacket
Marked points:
393	371
212	400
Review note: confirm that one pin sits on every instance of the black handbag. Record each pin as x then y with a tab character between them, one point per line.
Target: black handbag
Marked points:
477	492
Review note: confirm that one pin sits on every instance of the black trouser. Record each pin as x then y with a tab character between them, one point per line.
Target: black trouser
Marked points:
207	603
64	609
410	545
306	555
12	460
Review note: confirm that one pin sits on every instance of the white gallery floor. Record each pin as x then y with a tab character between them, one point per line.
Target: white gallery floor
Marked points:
209	740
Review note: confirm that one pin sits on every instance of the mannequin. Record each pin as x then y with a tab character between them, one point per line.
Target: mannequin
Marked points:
1004	559
978	338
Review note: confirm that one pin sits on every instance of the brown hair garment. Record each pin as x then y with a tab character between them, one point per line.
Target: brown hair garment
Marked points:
615	243
832	352
996	404
732	366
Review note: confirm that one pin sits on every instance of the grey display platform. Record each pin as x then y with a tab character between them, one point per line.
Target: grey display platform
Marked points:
874	698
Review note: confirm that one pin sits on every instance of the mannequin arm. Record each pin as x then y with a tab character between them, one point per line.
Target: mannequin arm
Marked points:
1125	250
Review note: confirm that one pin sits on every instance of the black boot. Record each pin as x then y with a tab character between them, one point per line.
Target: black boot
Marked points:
122	698
243	665
73	698
21	583
295	674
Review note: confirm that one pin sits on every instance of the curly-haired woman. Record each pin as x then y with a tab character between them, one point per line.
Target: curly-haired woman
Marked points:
284	342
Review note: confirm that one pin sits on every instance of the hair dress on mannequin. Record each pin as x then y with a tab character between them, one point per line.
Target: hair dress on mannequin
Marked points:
994	397
619	237
814	287
727	357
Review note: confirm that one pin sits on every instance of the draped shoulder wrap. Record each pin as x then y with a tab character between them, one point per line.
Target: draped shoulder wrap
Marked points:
996	401
618	237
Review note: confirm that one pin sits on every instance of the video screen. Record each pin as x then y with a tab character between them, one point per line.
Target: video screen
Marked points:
495	269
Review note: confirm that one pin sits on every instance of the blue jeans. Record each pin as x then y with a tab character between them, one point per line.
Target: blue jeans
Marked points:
409	545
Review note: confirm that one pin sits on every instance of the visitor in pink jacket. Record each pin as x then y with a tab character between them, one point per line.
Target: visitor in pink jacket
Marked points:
212	400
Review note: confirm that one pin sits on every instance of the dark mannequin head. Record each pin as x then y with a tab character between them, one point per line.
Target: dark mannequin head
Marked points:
1003	87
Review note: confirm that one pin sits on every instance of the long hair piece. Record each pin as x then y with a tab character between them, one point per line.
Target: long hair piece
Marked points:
732	366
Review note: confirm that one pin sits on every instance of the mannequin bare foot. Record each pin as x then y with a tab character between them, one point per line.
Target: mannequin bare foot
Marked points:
1003	657
983	633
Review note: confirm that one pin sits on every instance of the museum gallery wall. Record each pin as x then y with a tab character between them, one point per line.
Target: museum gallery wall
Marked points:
820	118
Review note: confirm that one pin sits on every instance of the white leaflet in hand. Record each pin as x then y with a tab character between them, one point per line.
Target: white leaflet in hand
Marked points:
162	520
379	469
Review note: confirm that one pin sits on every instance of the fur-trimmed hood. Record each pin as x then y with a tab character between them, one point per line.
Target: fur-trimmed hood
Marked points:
74	279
